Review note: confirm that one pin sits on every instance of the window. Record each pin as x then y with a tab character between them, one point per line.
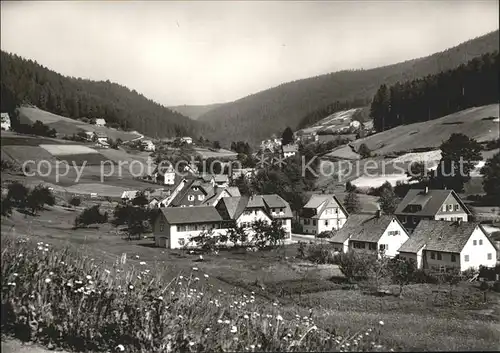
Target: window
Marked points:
444	208
191	197
449	208
162	226
466	258
489	256
414	220
439	256
372	246
433	255
326	223
480	241
393	232
442	219
474	242
383	247
181	241
314	222
453	258
201	197
457	207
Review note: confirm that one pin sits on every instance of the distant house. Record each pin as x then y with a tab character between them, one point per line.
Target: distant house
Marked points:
445	245
100	122
148	145
247	173
371	234
420	204
187	140
89	135
323	212
129	195
164	175
221	180
290	150
101	136
5	122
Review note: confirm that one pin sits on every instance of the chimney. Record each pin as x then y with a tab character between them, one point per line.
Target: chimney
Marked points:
426	190
378	213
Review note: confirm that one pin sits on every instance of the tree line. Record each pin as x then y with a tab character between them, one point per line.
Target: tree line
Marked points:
26	82
434	96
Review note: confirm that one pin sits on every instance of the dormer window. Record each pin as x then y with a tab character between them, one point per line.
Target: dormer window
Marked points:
195	188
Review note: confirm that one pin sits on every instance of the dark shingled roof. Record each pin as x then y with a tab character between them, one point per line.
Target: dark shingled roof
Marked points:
195	214
430	203
235	206
443	236
363	227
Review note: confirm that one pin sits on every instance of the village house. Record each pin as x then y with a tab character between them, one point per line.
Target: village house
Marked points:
323	212
5	121
290	150
148	145
101	137
221	180
100	122
371	234
247	173
419	204
187	140
446	245
243	211
89	135
175	226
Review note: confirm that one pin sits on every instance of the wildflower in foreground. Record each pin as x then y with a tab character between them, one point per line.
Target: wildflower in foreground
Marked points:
234	329
47	280
279	318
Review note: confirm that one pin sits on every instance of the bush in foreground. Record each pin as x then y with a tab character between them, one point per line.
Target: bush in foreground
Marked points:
61	298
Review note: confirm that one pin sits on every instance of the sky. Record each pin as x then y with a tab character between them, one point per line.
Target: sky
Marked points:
212	52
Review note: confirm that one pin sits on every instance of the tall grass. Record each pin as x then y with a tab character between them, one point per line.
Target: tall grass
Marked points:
62	298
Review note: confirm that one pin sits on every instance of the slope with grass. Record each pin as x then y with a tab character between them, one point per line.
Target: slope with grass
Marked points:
67	127
474	122
257	116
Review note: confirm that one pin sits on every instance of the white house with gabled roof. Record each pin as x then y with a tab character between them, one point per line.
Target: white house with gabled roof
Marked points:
323	212
445	245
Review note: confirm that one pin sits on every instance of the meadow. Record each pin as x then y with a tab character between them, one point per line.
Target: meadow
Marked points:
280	283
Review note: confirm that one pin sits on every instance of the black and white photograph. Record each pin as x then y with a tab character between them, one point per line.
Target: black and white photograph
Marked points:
250	176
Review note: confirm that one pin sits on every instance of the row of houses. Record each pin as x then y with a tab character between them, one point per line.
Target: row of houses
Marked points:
436	234
175	226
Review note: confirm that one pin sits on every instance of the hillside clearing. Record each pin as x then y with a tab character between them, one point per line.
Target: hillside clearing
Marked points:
431	134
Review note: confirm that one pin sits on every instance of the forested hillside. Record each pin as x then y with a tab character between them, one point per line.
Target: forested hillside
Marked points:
257	116
194	111
434	96
25	81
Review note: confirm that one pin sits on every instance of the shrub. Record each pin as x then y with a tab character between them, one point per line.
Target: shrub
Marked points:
320	254
75	201
17	193
354	266
325	234
6	207
496	286
297	228
364	151
91	215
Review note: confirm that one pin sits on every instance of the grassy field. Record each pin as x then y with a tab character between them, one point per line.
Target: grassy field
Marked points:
418	321
432	133
67	126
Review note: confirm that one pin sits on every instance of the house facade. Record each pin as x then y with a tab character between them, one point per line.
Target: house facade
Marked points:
175	226
449	245
322	213
430	204
100	122
5	122
290	150
371	234
148	145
